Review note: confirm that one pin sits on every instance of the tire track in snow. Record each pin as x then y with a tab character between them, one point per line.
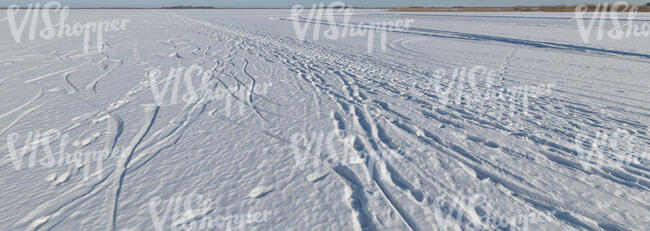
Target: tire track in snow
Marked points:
379	165
252	86
114	129
75	68
18	118
251	89
66	78
479	37
93	85
39	66
125	158
36	96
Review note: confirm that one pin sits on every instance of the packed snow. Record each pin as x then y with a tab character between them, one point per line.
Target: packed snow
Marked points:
272	120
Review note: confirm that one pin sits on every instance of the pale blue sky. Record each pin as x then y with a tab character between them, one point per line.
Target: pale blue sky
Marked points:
289	3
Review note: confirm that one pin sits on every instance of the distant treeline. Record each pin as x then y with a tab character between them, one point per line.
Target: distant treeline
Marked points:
189	7
559	8
590	7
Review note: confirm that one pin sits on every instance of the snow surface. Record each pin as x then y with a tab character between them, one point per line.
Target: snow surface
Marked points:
411	156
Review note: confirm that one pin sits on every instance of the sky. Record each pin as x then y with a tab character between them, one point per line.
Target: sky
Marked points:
289	3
